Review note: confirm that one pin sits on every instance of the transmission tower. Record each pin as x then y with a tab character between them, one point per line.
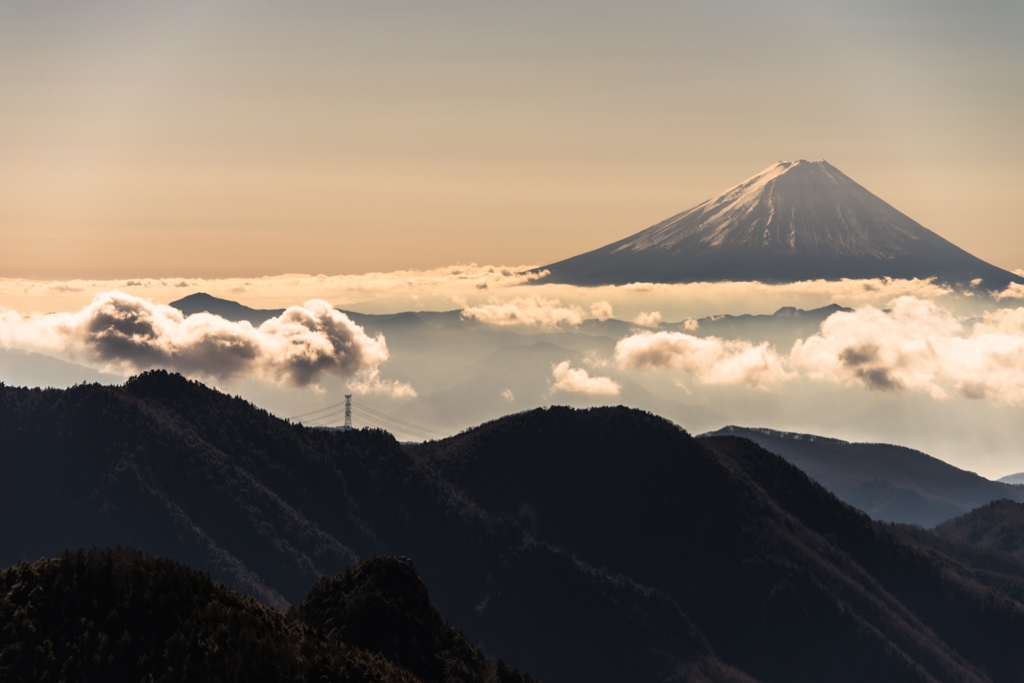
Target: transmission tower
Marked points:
348	411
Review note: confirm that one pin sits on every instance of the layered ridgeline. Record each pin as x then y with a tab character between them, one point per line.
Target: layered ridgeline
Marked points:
998	525
890	483
802	220
175	469
118	615
603	544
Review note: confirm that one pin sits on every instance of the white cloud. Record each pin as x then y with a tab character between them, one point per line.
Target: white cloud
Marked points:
1013	291
531	311
508	395
709	359
405	287
602	310
644	319
370	382
579	381
913	346
436	288
918	346
125	333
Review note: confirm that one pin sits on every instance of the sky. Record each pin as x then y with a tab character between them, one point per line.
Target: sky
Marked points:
223	140
407	156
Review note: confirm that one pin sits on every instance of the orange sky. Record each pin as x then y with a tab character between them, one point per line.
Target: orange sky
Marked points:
216	140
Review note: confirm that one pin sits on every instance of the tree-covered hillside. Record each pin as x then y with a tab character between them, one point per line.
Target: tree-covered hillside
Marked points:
178	470
600	545
119	615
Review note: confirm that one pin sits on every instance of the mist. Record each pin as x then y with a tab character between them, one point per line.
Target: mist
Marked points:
906	362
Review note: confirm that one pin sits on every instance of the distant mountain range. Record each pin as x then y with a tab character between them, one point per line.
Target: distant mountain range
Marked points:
890	483
802	220
601	545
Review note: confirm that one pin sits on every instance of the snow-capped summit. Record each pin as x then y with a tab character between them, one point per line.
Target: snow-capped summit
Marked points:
795	220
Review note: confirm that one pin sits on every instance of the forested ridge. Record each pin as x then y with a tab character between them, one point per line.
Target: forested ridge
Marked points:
175	469
119	615
600	545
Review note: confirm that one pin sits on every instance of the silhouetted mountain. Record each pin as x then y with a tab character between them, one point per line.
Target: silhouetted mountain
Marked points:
890	483
998	525
802	220
1015	479
182	471
118	615
382	606
972	611
990	567
602	544
781	328
201	302
786	581
229	310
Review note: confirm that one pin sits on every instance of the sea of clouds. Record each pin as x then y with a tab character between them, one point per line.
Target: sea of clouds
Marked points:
122	333
904	335
497	293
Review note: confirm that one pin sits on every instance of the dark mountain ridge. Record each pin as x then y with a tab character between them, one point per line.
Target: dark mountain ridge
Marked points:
602	544
120	615
890	483
998	525
738	538
802	220
175	469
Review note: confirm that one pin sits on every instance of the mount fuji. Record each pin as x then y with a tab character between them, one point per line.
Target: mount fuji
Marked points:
800	220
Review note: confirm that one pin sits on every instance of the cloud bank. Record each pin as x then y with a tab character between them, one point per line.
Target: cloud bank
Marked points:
918	346
1013	291
578	381
602	310
645	319
123	333
534	311
709	359
913	346
472	285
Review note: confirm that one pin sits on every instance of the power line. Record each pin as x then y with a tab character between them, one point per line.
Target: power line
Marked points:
314	412
392	425
399	420
373	418
404	432
328	416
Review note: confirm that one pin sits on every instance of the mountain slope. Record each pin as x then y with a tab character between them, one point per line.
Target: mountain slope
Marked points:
971	611
120	615
176	469
793	221
890	483
201	302
602	544
783	579
998	525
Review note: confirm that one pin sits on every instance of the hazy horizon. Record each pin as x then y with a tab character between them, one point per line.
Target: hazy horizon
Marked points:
409	157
